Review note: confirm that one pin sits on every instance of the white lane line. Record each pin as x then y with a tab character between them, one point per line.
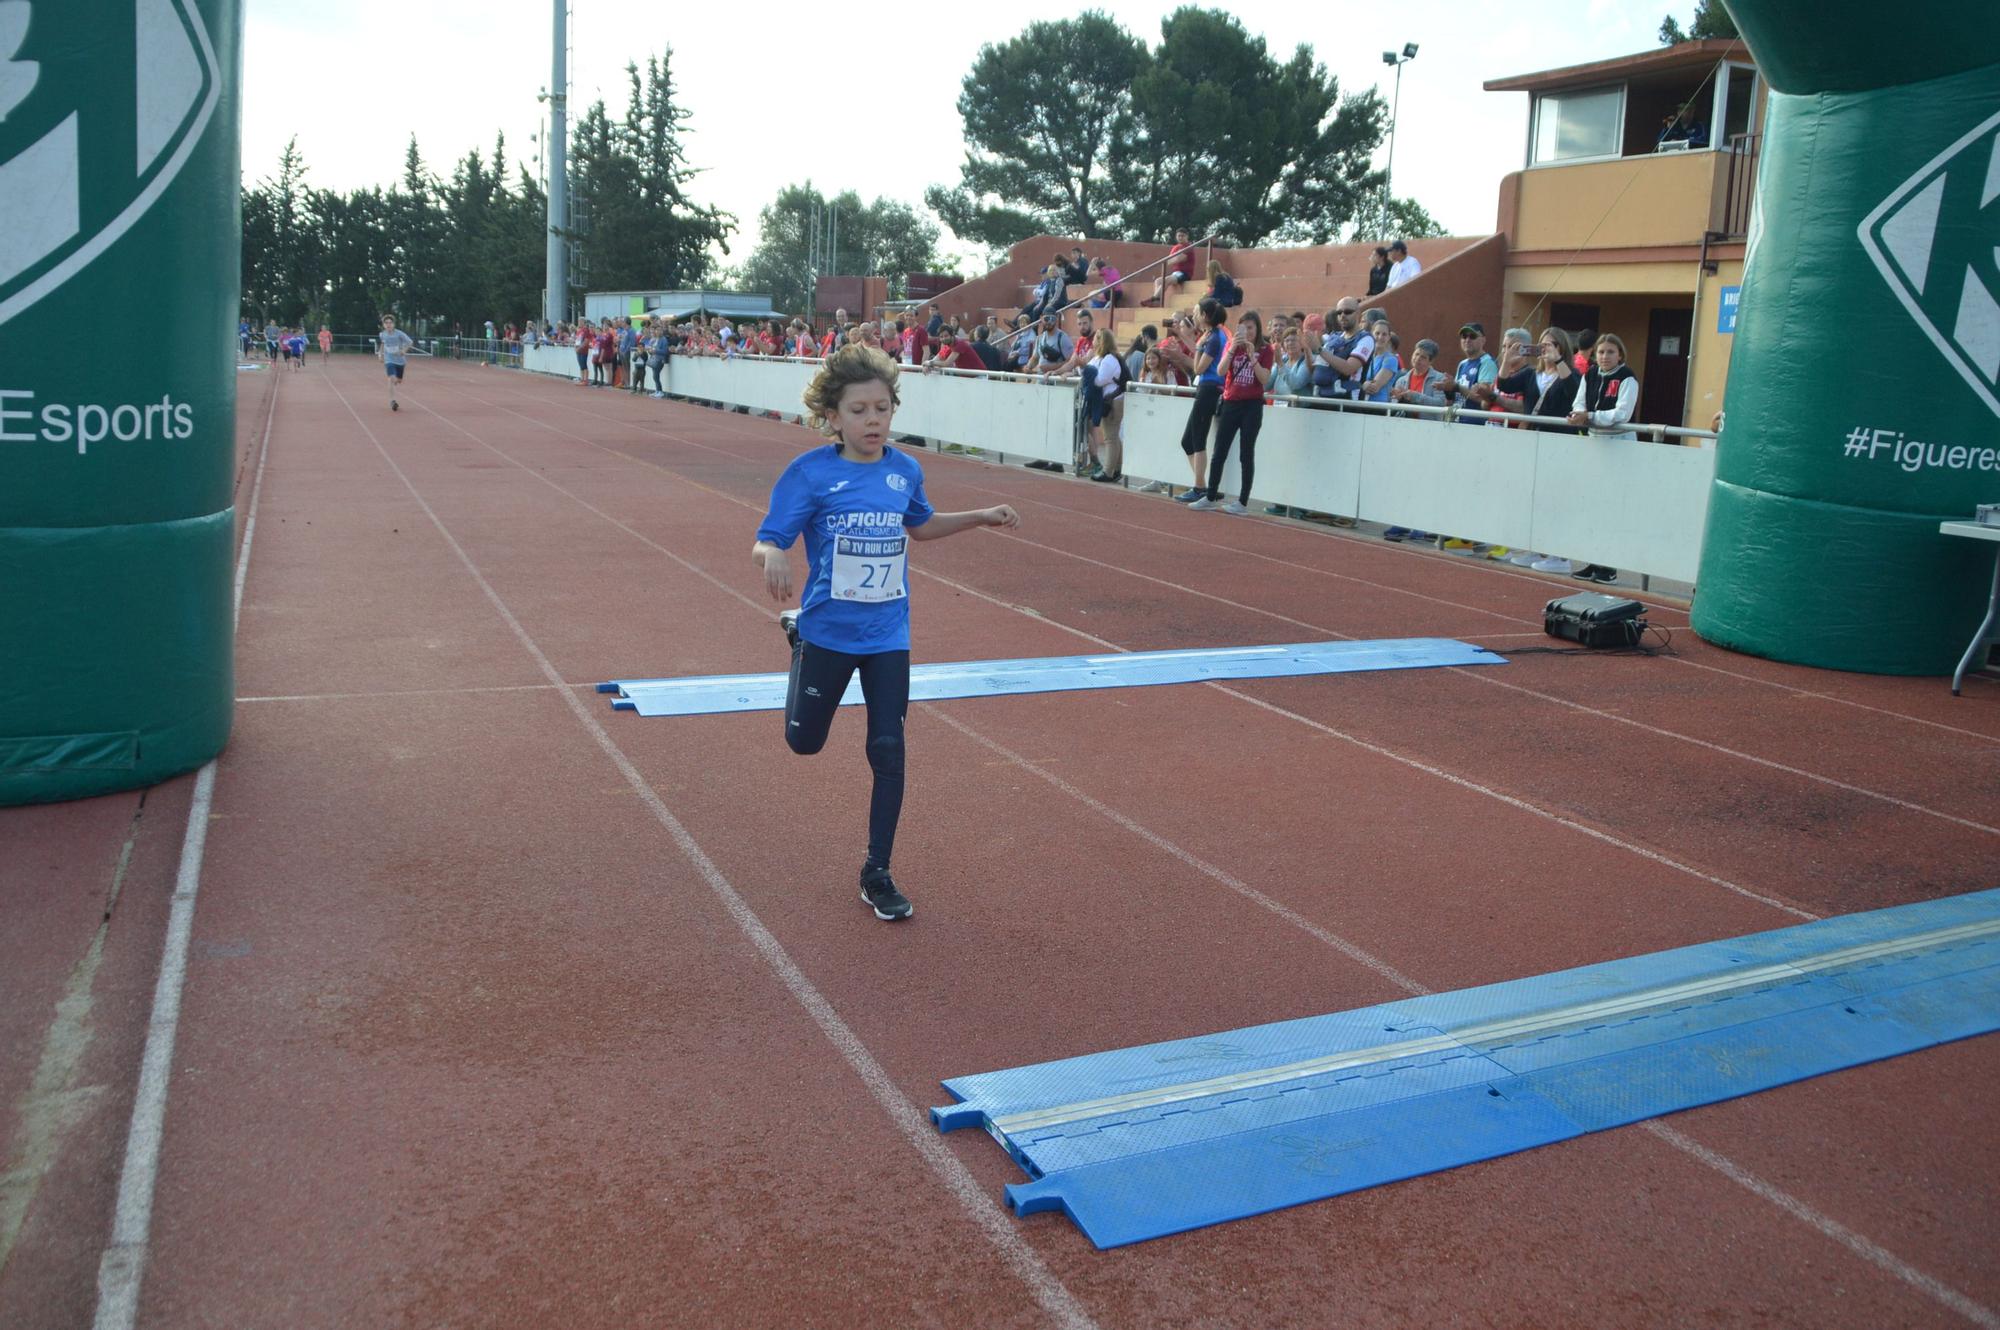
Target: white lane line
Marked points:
1872	1252
122	1267
1790	1204
1775	902
1353	951
1829	697
1485	678
1322	572
910	1121
762	607
1732	752
411	692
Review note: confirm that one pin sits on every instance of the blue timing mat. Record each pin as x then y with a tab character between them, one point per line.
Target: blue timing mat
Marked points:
1056	674
1143	1142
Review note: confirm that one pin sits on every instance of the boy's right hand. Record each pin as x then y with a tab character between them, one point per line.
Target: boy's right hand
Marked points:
778	575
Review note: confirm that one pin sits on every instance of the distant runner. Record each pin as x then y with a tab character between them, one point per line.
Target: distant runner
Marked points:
393	345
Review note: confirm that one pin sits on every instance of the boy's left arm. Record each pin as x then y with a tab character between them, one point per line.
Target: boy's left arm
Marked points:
941	525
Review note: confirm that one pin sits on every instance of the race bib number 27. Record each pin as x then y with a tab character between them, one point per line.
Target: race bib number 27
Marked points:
868	567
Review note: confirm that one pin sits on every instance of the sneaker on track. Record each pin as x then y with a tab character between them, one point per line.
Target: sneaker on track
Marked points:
1523	558
878	892
1203	504
1189	496
1396	533
1155	487
1552	564
1233	508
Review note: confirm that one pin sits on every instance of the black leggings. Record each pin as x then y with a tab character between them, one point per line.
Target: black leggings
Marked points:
1194	435
819	680
1247	416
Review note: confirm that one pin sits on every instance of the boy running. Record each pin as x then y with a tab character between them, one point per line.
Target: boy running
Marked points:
393	345
858	504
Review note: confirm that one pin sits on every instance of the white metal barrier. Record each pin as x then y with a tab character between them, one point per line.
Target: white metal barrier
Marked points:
1637	506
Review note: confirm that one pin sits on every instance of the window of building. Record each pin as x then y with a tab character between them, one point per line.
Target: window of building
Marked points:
1739	103
1569	126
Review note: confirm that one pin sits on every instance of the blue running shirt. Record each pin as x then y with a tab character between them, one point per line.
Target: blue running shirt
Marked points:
854	515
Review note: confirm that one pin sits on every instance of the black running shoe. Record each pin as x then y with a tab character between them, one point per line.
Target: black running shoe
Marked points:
878	891
789	621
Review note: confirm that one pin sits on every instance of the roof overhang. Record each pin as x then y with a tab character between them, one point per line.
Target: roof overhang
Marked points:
1666	60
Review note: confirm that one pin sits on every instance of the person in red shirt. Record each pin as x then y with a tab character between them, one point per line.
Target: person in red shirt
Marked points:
954	352
1246	370
607	355
1180	267
915	343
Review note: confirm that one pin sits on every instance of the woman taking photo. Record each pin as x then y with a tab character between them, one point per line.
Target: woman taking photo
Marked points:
1207	396
859	504
1246	369
1293	375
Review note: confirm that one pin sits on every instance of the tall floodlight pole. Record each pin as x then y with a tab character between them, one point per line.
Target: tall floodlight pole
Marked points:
556	300
1389	171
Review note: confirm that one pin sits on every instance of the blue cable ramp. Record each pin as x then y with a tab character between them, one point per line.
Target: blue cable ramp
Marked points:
1142	1142
1055	674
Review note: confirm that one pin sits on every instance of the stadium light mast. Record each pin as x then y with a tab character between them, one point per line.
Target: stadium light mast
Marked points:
1409	53
555	299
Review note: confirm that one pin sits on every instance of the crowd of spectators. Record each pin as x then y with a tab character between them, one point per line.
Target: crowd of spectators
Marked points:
1235	363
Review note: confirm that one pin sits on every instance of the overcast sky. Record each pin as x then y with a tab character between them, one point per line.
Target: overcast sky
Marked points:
352	80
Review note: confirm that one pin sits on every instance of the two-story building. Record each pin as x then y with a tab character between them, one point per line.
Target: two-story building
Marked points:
1632	209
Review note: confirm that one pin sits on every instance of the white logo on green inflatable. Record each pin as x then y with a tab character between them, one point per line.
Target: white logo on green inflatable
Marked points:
55	213
1936	242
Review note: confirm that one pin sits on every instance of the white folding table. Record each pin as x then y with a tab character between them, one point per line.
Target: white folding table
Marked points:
1985	637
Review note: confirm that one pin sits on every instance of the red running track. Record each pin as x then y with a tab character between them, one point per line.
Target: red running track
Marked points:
505	1009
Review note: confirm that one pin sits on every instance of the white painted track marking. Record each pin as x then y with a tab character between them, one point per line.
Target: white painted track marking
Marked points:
122	1268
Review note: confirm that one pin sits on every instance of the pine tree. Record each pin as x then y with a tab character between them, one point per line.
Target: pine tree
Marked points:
1710	20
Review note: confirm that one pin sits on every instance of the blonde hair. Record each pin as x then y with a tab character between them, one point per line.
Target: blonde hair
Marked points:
1106	344
842	370
1612	339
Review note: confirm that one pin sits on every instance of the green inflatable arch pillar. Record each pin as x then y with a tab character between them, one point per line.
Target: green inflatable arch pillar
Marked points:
1863	405
120	237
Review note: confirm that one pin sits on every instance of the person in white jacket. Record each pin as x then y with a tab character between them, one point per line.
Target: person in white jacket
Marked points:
1608	397
1402	266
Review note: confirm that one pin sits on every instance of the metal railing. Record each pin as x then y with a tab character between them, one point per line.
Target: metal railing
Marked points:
1740	193
1462	415
1207	241
1699	438
492	352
